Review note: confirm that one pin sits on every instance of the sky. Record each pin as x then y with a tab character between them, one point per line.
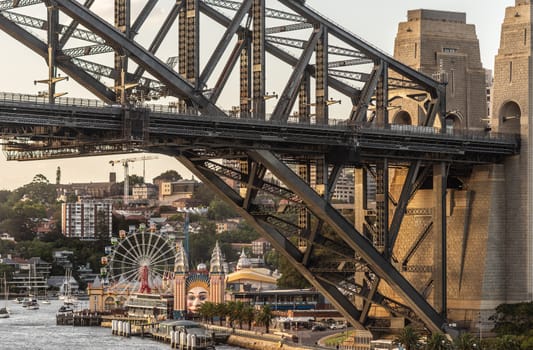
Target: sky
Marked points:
374	21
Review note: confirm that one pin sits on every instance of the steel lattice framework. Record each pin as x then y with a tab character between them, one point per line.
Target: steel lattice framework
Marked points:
296	142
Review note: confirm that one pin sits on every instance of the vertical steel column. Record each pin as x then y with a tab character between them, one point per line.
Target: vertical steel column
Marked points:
53	23
382	97
321	92
304	103
382	206
321	108
439	228
304	217
382	169
246	79
258	64
245	168
122	23
182	48
192	44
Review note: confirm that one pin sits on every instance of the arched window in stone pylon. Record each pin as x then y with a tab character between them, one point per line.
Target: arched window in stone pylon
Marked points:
402	118
454	121
509	117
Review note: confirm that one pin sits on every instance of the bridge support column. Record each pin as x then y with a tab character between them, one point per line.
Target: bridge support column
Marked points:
246	79
439	230
258	64
53	22
304	217
122	23
382	208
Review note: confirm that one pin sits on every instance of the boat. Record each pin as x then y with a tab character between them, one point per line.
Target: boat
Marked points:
45	301
4	312
65	316
66	296
148	306
30	303
65	310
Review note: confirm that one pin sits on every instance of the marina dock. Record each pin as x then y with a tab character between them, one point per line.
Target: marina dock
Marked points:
79	319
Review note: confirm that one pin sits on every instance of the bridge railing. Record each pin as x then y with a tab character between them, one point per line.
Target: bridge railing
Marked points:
43	99
459	134
170	110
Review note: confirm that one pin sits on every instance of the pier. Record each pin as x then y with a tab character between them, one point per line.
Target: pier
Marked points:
79	319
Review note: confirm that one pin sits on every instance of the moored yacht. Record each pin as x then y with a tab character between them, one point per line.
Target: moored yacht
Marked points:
30	303
4	313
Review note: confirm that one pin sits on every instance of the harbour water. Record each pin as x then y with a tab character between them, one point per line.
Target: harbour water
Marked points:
37	330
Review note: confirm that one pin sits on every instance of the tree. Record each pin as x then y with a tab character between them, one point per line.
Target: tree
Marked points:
39	191
438	341
168	176
203	194
466	341
220	210
201	244
248	315
509	342
513	319
232	312
21	220
264	317
207	311
409	338
290	277
221	310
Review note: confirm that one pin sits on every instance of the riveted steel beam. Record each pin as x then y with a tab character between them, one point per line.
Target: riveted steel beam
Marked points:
225	41
39	47
288	97
349	234
140	55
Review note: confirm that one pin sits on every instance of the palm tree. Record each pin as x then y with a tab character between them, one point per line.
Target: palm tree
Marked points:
509	342
221	311
409	338
232	312
239	313
466	341
264	317
248	315
207	311
438	341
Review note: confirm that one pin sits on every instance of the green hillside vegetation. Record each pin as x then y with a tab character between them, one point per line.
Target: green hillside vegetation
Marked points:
23	208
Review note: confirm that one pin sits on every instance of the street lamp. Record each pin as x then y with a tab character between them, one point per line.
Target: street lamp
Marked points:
268	96
331	101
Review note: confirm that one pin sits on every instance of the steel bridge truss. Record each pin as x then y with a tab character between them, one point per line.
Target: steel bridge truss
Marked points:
323	64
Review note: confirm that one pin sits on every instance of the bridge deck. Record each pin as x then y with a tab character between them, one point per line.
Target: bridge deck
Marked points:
354	143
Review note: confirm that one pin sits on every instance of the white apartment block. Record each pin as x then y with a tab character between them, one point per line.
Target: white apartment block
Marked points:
82	219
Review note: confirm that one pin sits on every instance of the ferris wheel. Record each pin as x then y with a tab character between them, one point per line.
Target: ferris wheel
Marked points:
138	254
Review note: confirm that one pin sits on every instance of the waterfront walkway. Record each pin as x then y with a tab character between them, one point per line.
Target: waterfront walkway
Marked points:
256	339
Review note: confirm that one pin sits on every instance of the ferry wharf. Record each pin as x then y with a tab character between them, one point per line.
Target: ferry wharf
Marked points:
79	319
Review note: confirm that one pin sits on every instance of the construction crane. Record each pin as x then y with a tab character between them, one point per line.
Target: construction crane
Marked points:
125	163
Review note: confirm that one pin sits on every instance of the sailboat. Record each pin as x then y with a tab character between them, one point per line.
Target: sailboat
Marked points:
67	297
30	303
4	313
46	300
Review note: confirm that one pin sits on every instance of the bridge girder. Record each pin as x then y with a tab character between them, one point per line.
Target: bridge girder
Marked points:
368	76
